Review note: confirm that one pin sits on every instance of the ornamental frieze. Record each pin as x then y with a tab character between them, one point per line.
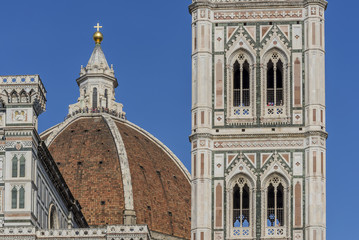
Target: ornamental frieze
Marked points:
258	15
257	144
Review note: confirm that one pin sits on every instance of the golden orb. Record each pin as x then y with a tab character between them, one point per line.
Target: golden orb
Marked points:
98	37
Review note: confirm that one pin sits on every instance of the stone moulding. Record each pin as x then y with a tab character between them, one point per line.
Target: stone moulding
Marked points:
123	231
230	4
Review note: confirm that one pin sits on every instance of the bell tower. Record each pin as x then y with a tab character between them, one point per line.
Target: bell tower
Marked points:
258	141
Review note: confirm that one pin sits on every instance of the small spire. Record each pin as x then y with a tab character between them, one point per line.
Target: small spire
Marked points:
97	36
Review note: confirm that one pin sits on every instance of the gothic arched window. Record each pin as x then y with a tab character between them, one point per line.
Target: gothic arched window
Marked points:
14	164
22	166
240	208
22	198
241	204
53	219
94	98
14	198
276	207
275	81
241	83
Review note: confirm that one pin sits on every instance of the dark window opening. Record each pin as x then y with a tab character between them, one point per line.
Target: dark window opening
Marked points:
14	166
275	83
270	83
22	166
14	198
52	218
246	93
241	206
236	85
279	81
275	206
94	98
106	97
241	84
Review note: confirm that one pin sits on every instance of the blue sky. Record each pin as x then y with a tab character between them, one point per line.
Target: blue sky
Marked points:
149	43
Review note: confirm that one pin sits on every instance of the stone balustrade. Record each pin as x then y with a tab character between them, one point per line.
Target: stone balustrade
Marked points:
111	232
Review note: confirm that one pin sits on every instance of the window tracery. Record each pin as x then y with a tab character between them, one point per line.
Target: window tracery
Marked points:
241	211
18	166
276	206
241	204
241	88
275	88
18	197
275	81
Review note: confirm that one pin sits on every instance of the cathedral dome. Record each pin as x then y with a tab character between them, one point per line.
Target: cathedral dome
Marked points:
117	170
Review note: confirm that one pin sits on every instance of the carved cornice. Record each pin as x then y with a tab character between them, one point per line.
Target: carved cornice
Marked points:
253	4
196	136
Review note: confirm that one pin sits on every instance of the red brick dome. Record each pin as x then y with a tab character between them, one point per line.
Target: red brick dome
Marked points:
111	165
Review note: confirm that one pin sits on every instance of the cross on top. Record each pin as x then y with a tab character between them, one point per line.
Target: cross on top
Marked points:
98	27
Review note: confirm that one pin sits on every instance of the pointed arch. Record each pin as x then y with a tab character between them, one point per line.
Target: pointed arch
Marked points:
14	164
21	197
275	84
276	205
241	206
32	95
4	97
22	166
53	221
23	96
14	198
14	97
241	87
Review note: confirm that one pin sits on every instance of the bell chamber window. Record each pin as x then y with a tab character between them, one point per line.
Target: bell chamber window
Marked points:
240	209
241	205
241	88
275	84
275	81
241	91
275	208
